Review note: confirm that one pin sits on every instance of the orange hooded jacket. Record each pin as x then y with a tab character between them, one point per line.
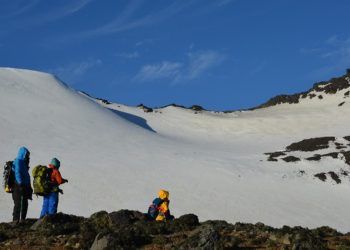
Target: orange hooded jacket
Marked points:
56	177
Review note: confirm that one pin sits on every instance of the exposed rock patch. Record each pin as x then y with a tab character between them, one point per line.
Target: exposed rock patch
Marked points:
335	177
347	138
346	157
339	145
104	101
274	155
314	144
197	108
316	157
311	144
321	176
145	108
333	86
291	159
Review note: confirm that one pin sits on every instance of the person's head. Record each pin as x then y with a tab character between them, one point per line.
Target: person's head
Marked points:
56	163
163	194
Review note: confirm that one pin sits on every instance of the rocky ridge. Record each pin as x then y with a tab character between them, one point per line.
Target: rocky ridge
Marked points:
318	90
127	229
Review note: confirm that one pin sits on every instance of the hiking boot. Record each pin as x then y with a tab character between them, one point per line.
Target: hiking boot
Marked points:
14	223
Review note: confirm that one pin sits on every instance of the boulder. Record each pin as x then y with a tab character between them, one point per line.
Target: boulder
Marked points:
126	217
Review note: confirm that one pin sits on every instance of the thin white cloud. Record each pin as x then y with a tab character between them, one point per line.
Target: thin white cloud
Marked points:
72	72
202	61
20	8
126	20
260	67
224	2
163	70
335	54
197	65
132	55
143	42
53	14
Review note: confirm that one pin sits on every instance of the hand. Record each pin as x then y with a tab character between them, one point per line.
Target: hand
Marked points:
60	191
65	181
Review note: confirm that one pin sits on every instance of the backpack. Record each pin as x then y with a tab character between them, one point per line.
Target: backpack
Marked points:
153	209
8	177
42	180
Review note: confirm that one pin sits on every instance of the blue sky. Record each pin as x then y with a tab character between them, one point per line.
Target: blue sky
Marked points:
221	54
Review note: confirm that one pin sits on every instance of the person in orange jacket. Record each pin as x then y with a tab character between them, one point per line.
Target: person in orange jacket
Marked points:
159	209
50	202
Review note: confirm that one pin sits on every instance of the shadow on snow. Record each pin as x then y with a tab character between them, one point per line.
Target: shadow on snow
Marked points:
134	119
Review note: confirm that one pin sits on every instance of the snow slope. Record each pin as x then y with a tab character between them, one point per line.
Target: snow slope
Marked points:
117	157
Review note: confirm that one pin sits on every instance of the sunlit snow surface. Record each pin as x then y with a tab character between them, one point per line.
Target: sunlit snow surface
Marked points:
213	164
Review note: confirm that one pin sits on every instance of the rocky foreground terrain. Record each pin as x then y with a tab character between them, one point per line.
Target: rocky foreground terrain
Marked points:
127	229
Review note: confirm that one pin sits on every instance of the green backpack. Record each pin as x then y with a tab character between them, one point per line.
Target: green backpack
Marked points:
41	182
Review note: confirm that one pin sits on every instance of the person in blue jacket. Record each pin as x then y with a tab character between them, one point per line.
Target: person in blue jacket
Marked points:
22	190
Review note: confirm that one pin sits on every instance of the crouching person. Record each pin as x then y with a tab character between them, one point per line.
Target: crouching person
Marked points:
50	202
22	190
159	209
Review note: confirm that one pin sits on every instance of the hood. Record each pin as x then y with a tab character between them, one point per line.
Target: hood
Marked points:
22	153
163	194
56	163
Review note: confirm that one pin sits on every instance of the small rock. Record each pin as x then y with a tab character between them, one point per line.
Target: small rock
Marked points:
37	224
286	239
17	242
291	159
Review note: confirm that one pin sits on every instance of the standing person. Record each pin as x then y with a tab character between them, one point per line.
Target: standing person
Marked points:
22	190
159	209
50	202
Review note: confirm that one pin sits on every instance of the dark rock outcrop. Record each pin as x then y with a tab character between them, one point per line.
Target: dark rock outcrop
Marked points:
346	157
328	87
335	177
321	176
291	159
197	108
127	229
316	157
145	108
311	144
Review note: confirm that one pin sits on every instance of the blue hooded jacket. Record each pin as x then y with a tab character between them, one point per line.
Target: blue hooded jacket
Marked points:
20	167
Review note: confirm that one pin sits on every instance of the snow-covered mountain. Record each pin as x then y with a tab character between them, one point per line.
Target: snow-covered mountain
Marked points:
213	163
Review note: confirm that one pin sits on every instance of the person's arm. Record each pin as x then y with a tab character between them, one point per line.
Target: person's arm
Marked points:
18	165
57	177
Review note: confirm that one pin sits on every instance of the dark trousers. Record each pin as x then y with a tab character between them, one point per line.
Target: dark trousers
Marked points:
21	203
